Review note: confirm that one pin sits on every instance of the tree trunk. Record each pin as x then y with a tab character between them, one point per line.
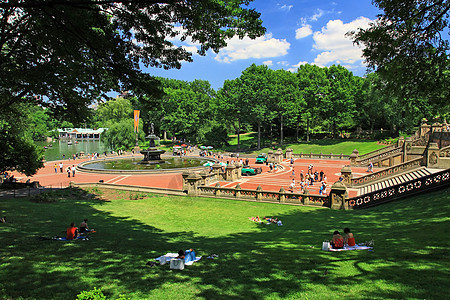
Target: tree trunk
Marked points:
239	134
297	129
307	130
281	129
259	135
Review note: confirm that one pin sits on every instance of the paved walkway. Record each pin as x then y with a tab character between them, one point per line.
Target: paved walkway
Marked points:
268	181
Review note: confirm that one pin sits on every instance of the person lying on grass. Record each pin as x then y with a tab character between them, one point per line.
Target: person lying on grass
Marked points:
72	232
188	255
348	238
337	242
255	219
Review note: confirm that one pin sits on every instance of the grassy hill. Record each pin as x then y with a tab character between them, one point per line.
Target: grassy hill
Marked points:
410	259
326	146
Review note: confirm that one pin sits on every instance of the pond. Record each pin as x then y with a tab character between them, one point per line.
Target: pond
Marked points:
61	147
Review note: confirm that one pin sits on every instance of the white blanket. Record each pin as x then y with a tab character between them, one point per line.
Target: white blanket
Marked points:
169	256
356	247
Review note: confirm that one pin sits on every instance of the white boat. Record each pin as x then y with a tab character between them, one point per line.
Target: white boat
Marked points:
69	143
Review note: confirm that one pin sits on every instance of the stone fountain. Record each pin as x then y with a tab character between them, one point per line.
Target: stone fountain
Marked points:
152	155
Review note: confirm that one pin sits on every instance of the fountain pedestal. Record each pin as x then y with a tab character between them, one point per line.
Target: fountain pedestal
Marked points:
152	155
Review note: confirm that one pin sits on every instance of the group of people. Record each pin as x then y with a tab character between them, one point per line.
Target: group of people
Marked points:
8	178
73	232
69	169
308	179
338	241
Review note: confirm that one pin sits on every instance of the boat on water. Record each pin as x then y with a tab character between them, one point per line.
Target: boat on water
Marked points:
69	143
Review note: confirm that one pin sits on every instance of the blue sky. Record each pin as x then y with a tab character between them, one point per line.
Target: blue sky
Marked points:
298	32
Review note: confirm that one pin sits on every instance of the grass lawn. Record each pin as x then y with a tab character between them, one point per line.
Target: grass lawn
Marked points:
325	146
410	260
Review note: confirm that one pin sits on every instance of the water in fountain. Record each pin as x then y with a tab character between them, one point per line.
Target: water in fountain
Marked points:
152	155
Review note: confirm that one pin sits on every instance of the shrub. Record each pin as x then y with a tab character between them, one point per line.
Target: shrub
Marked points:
94	294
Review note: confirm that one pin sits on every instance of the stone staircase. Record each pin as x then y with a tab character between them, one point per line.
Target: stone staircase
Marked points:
394	180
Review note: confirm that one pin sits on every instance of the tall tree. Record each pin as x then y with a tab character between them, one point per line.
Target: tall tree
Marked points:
408	46
313	85
73	51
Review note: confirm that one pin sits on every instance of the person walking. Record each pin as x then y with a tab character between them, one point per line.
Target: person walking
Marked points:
56	168
73	170
68	171
61	166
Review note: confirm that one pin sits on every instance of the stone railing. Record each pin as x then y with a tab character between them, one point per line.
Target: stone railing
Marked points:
260	195
376	152
321	155
375	158
383	174
424	184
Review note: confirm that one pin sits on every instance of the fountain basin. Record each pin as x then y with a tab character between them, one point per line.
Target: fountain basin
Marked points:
135	166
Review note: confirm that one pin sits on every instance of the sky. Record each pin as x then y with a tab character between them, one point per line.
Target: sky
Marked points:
297	32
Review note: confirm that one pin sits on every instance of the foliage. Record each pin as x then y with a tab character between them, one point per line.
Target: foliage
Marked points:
17	149
95	294
121	135
114	110
287	259
409	48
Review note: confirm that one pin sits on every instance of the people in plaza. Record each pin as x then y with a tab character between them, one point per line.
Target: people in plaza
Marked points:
292	161
68	171
72	232
292	185
56	168
310	169
321	175
349	239
302	176
246	161
337	242
293	172
61	167
73	170
370	168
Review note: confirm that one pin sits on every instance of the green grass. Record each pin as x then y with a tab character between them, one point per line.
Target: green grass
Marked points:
410	259
325	146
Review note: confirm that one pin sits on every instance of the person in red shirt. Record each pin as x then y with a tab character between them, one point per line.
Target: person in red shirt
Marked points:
349	238
72	232
338	241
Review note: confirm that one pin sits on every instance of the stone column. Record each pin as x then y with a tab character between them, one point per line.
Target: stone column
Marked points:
259	192
185	175
353	157
270	158
289	153
305	198
338	194
217	191
238	170
433	156
346	173
216	170
278	156
203	176
238	191
282	195
230	173
193	182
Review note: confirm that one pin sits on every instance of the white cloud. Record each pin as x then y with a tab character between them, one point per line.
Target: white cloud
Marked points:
303	32
285	7
283	63
294	68
317	15
262	47
335	46
268	63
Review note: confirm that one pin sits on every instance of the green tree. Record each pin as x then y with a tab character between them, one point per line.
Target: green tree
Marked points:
313	85
121	135
71	52
409	48
256	91
114	110
17	148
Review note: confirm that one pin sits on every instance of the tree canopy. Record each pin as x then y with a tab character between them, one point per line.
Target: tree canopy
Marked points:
408	46
72	51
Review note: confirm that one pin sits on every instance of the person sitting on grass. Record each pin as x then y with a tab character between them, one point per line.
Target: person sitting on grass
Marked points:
188	255
348	238
72	232
337	242
84	227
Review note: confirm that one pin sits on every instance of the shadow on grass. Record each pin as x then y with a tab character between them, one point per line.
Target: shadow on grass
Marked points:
410	258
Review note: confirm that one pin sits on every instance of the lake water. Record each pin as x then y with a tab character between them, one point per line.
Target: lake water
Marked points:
61	147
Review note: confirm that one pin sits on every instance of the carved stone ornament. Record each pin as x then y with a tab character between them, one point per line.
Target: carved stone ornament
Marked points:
433	158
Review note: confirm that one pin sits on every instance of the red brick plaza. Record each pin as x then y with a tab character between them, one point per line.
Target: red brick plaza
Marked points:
267	180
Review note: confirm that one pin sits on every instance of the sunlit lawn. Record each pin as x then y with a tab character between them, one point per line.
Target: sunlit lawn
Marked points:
410	259
325	146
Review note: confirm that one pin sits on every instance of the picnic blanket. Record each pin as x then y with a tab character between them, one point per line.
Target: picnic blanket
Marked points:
169	256
356	247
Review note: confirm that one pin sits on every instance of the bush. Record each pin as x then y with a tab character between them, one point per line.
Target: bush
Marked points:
94	294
